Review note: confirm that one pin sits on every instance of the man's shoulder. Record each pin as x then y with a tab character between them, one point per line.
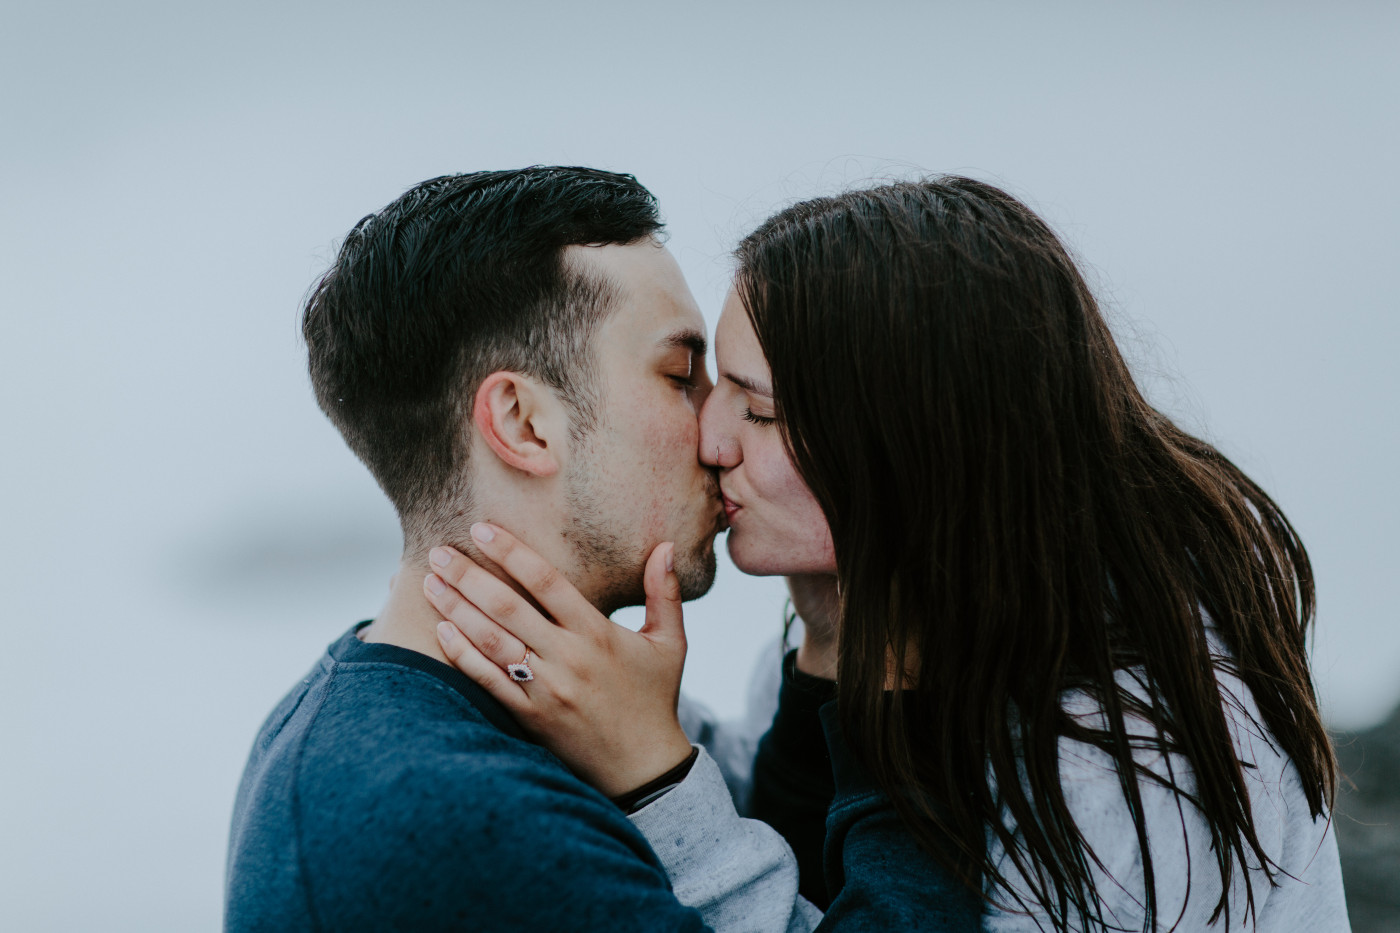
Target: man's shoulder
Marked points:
385	736
382	729
379	787
380	725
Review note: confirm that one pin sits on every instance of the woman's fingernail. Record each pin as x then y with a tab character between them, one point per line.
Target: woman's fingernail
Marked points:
671	558
435	584
483	532
447	631
439	557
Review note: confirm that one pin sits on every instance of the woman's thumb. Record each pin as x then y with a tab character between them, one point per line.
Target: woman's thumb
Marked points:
665	619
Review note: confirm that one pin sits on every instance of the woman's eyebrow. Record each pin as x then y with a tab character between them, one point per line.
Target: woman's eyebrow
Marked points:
749	385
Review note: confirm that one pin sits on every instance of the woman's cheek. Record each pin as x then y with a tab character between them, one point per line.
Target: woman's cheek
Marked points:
806	525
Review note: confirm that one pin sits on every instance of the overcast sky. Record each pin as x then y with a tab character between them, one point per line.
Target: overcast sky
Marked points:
183	532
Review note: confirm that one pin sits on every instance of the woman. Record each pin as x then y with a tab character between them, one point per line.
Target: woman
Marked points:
1071	635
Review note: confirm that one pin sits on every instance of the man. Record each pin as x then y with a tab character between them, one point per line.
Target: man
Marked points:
514	346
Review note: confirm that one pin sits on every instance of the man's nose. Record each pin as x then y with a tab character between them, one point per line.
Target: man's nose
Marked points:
701	392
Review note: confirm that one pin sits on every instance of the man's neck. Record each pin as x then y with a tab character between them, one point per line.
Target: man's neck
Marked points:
407	619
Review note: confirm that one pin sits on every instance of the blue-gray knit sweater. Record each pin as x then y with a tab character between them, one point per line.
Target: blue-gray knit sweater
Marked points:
388	791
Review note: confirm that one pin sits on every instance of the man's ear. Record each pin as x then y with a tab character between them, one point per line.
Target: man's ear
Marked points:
520	421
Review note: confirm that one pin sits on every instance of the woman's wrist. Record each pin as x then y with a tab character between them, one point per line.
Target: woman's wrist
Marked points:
618	779
636	799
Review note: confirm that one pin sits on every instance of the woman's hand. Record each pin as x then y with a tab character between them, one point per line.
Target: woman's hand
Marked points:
602	698
815	600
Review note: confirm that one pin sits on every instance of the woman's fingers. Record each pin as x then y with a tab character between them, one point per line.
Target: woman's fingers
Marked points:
605	701
500	603
497	644
539	577
489	676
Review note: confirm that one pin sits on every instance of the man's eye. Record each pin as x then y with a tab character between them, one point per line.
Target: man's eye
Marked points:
685	382
750	417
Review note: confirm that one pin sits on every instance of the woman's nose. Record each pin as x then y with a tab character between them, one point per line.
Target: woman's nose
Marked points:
718	446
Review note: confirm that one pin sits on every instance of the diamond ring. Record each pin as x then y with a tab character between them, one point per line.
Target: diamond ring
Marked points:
520	671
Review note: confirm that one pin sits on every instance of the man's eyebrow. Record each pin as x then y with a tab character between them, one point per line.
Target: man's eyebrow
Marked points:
688	339
749	385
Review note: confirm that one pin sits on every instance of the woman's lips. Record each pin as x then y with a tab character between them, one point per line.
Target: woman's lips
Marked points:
729	509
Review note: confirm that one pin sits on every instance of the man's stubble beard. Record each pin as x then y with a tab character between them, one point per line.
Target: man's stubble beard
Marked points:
695	568
605	553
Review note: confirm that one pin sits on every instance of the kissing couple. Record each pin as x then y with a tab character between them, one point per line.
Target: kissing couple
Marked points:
1052	671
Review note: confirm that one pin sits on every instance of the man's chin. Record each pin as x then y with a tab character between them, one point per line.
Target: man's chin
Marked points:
695	570
623	587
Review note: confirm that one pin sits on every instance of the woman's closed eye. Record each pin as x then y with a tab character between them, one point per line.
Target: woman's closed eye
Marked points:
752	418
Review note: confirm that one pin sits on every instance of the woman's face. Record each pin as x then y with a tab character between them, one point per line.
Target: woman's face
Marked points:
776	526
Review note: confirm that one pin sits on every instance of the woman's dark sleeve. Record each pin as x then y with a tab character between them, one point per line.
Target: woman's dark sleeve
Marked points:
792	781
879	876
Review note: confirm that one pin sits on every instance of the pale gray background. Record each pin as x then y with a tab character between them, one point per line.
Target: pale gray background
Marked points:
183	532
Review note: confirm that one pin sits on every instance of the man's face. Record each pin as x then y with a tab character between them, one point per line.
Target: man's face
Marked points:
635	480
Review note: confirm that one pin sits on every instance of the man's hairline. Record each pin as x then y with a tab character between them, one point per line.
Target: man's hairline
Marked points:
573	274
610	291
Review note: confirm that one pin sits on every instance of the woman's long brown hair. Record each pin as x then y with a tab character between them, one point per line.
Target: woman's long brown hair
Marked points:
1012	520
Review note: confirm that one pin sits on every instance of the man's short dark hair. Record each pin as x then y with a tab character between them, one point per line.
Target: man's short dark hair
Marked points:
462	276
